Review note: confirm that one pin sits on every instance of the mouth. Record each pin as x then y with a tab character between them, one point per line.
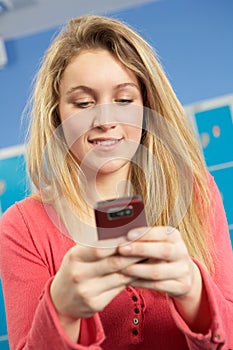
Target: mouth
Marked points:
106	143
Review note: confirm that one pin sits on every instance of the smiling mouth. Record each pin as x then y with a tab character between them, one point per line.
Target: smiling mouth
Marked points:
109	142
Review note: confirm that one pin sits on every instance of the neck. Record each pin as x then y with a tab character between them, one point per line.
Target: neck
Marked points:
104	186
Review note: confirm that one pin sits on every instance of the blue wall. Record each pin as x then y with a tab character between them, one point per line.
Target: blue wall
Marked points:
193	39
24	56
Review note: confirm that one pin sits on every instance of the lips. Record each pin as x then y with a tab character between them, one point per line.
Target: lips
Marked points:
105	142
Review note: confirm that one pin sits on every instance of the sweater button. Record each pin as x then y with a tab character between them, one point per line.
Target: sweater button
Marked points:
135	331
135	320
136	310
134	298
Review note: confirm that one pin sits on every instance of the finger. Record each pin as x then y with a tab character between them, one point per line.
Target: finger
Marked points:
158	272
89	254
156	250
172	287
113	264
94	287
80	271
157	233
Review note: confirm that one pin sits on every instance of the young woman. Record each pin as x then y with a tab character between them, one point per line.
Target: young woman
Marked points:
107	124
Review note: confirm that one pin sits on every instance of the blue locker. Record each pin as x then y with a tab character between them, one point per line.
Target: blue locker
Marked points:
13	187
216	133
224	180
4	345
3	329
231	235
215	130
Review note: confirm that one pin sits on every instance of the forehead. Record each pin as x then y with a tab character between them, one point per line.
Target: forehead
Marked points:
95	65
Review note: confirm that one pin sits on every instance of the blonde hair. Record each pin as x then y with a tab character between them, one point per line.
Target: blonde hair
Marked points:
167	135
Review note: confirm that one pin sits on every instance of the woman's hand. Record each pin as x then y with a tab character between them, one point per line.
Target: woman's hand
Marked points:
169	269
88	279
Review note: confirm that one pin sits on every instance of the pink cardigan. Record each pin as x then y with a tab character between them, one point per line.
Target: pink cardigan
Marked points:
31	251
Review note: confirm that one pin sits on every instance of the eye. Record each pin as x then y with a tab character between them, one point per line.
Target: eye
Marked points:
84	104
124	101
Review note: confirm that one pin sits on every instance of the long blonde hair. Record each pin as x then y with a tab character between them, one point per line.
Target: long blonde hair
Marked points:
167	135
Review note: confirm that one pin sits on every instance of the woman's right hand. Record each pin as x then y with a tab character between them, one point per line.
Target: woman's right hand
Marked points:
88	279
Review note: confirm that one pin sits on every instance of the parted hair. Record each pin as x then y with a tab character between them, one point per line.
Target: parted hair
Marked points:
168	170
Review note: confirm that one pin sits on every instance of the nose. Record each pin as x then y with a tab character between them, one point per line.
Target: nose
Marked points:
104	117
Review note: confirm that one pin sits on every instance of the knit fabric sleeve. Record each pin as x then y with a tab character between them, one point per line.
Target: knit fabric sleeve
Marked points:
26	277
219	288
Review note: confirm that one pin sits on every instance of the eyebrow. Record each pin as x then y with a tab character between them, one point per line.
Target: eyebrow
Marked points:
91	90
123	85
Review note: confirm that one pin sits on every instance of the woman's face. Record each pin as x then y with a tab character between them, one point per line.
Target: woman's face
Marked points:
101	111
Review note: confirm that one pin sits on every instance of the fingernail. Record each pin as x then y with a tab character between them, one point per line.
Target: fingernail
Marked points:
133	235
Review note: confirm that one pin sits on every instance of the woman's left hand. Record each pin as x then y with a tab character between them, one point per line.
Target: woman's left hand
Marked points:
169	267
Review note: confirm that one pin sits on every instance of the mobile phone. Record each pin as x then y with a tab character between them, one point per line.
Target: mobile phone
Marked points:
115	217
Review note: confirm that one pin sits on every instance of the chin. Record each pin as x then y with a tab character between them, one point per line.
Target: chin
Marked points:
112	167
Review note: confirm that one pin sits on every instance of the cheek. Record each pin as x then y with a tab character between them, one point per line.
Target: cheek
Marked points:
78	150
74	129
134	133
132	142
132	116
